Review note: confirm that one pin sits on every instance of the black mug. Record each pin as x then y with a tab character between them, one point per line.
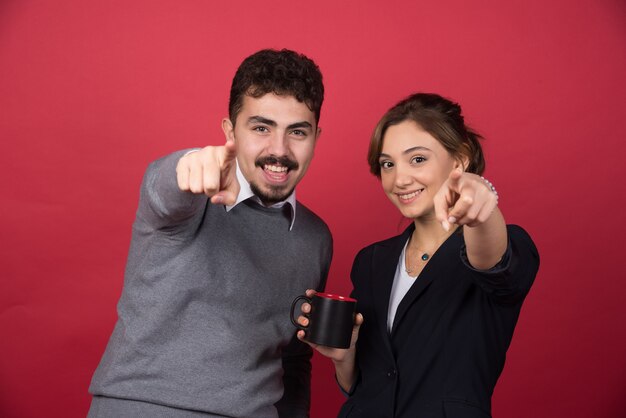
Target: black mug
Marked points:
330	320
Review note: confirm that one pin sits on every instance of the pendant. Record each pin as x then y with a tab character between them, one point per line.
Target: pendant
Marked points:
424	258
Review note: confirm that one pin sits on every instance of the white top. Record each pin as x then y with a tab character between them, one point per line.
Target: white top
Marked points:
402	282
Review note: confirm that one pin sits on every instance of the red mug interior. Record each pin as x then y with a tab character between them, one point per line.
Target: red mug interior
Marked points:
335	297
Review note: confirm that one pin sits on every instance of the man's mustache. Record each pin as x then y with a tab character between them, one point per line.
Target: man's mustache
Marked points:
271	160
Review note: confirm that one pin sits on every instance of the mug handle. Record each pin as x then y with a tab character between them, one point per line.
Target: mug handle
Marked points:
293	307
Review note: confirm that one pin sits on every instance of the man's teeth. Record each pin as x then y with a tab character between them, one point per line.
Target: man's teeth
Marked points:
409	195
275	168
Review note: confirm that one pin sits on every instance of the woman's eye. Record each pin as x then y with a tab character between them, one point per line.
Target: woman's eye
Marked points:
418	160
386	165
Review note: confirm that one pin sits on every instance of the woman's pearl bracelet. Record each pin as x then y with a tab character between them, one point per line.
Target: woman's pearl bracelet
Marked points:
493	189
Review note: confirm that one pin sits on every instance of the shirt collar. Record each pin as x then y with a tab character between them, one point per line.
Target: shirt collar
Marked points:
245	192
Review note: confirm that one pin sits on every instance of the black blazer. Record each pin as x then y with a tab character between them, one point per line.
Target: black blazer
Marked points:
450	333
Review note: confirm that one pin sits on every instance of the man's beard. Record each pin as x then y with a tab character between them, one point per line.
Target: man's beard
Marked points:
273	195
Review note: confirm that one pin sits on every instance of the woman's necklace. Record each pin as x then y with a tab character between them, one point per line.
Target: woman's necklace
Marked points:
422	259
409	270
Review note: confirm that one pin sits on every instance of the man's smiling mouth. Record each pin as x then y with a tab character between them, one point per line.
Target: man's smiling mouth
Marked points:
275	168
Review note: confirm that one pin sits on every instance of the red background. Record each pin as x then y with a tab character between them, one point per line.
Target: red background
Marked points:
90	92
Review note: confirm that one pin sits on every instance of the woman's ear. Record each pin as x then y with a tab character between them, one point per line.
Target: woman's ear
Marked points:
462	162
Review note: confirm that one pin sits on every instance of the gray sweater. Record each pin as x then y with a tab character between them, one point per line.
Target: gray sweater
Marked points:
204	313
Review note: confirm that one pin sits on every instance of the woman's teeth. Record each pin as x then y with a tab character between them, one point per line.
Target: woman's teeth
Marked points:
409	196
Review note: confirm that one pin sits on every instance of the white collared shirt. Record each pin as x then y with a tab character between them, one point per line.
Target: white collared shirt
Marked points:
245	192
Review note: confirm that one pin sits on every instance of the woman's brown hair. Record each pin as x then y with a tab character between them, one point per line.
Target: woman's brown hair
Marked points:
438	116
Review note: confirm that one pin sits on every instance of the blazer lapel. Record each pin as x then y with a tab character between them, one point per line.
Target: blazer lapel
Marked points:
419	286
385	262
446	251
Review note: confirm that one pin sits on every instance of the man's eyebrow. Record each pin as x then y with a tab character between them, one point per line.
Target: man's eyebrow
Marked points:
269	122
303	124
261	119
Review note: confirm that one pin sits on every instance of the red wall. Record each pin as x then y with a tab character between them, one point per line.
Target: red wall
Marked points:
90	92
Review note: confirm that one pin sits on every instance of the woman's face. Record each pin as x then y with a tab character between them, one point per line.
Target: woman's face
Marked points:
413	165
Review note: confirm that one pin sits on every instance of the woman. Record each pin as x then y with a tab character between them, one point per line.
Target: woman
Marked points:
439	302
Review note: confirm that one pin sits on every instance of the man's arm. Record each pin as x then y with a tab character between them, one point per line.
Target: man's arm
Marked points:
176	187
210	171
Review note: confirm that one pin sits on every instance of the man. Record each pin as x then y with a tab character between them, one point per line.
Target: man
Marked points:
220	248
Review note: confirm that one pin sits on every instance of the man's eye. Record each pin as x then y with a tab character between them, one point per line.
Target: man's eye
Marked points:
260	129
298	132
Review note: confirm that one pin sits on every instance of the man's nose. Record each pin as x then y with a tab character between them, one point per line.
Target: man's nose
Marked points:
277	144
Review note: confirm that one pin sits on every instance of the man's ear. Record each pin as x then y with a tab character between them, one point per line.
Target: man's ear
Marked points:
229	129
318	132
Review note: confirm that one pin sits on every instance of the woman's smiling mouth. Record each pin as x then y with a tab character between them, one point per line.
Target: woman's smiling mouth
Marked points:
407	197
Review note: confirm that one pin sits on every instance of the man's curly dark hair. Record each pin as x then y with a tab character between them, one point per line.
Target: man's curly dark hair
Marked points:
284	72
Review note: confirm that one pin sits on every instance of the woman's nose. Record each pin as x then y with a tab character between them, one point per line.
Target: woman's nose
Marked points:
403	176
